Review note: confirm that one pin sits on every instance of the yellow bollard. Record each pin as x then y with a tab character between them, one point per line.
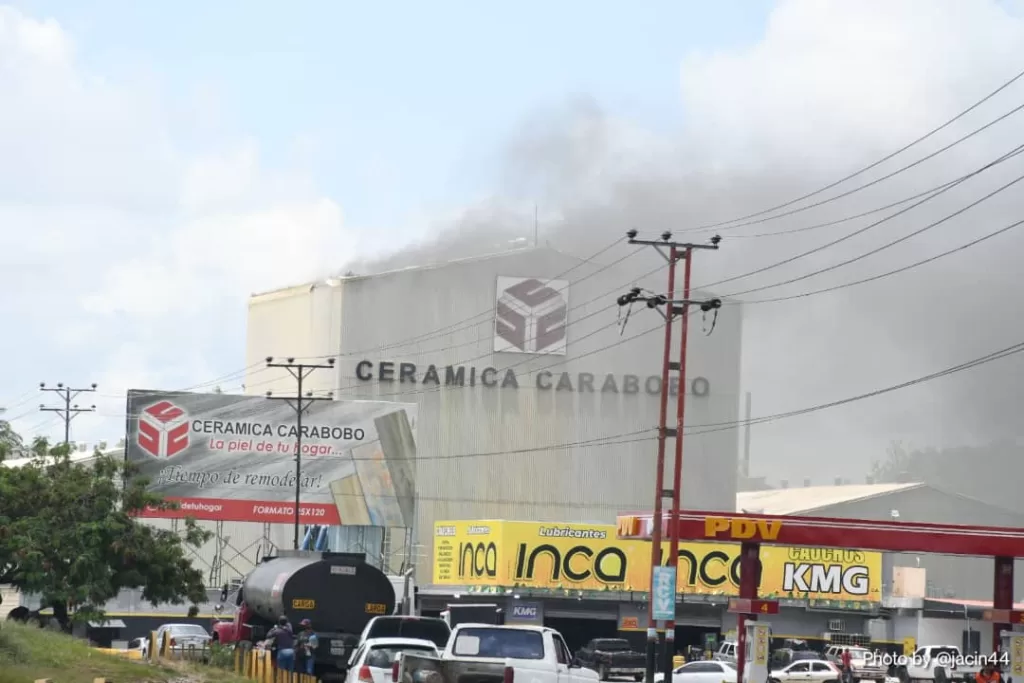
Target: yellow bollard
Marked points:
165	645
151	652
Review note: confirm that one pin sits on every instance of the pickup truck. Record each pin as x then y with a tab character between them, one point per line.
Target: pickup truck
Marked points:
922	664
612	657
481	653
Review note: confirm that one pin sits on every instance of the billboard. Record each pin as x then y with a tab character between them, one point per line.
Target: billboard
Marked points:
590	557
226	457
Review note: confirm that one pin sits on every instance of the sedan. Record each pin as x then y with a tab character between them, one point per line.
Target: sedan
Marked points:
701	672
809	670
184	638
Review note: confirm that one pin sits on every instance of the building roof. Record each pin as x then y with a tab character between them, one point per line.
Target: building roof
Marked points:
800	500
334	281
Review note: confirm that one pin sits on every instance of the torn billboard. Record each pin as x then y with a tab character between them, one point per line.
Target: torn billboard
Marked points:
232	458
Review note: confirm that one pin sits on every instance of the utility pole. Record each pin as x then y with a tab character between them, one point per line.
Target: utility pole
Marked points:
673	252
67	412
300	403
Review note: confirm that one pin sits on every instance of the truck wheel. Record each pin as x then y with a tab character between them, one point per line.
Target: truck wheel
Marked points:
638	677
602	672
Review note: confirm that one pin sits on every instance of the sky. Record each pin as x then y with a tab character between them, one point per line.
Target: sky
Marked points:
158	163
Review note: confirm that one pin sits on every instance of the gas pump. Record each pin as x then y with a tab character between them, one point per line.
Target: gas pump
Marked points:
758	651
1013	645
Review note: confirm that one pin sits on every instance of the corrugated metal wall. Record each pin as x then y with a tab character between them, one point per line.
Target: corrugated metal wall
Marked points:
462	431
963	577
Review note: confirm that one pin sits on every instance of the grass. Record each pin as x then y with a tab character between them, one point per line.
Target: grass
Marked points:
28	653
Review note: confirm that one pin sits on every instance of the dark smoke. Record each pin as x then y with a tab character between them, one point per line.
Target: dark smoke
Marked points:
594	178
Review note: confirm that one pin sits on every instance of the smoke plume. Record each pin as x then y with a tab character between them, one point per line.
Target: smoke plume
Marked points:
829	88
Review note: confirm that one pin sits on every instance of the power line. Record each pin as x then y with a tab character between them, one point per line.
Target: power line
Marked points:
711	427
850	235
846	219
484	315
67	412
876	250
875	164
880	276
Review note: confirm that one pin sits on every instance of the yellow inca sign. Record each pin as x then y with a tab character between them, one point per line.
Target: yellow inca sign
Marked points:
303	603
590	557
376	608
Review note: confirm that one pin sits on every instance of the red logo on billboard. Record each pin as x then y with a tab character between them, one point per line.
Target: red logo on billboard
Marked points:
163	430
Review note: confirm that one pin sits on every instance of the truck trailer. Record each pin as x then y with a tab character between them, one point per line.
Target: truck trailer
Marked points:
338	592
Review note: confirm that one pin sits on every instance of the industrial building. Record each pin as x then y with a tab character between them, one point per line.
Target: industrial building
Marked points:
537	397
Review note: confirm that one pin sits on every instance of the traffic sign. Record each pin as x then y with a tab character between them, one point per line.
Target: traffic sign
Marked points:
748	606
663	593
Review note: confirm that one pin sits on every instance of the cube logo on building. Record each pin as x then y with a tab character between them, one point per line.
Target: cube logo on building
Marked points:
163	430
530	316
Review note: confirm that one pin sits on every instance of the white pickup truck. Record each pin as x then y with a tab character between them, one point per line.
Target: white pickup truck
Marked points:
481	653
922	664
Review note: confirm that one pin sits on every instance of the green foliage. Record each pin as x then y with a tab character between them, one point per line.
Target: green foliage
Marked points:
69	534
10	441
28	653
222	656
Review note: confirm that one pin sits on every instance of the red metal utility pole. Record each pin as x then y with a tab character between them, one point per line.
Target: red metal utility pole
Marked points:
676	251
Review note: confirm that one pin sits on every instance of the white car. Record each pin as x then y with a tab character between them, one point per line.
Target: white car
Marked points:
810	670
184	637
373	659
701	672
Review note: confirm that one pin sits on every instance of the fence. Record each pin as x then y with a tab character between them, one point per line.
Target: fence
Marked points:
253	664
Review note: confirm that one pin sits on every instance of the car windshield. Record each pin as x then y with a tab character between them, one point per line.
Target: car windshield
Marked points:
805	654
187	630
859	654
382	657
611	645
499	643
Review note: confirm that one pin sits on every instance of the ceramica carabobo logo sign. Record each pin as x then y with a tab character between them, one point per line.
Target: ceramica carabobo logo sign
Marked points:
530	315
163	430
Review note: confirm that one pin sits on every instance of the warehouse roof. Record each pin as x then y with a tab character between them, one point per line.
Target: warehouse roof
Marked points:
810	498
338	279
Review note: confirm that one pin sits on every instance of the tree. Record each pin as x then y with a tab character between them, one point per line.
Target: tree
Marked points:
10	441
68	532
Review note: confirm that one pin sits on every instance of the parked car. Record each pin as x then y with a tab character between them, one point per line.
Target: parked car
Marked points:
185	638
862	661
783	657
726	652
612	657
373	660
701	672
809	670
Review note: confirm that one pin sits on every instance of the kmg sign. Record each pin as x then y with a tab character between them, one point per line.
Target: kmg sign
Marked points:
525	612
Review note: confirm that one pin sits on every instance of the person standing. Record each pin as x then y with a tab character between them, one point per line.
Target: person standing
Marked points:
283	640
847	661
307	645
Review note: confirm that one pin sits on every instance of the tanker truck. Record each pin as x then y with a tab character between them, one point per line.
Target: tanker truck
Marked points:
338	592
